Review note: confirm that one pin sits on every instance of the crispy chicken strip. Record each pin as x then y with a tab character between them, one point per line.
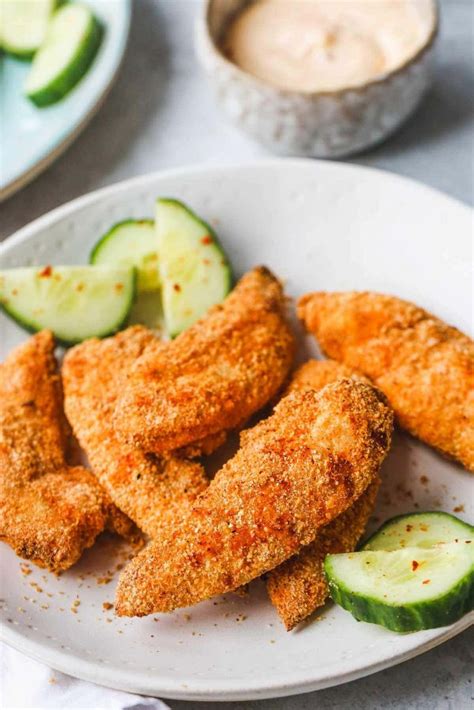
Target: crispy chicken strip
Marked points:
425	367
298	586
294	472
214	375
49	512
316	374
153	491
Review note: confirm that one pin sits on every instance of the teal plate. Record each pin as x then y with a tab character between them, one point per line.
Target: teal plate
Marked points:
31	138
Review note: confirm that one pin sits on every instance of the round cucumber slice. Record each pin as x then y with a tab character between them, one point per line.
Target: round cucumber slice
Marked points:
132	242
419	530
404	590
71	43
24	25
194	270
75	302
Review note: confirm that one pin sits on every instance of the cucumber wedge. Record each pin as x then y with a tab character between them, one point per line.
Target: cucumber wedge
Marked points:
75	302
420	530
24	25
404	590
132	242
194	270
71	43
147	311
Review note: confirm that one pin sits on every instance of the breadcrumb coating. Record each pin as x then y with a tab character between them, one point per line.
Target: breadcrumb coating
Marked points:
316	374
153	491
298	586
295	471
49	512
214	375
424	367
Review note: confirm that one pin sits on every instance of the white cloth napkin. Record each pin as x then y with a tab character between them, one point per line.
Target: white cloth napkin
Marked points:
25	683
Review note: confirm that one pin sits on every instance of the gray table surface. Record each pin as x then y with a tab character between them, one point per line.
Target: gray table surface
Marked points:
161	114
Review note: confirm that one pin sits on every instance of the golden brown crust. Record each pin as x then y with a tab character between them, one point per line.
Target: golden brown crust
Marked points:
294	472
424	367
49	512
298	586
204	447
316	374
33	435
151	490
54	518
214	375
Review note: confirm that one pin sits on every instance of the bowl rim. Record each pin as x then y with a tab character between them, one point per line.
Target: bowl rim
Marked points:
212	46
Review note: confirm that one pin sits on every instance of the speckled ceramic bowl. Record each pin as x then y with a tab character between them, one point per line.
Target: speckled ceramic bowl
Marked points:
323	124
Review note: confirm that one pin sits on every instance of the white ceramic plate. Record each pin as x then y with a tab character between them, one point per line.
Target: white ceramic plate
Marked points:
319	226
32	138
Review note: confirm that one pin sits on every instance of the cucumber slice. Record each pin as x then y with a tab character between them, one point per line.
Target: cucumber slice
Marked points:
75	302
71	43
132	242
24	25
419	530
404	590
147	311
194	270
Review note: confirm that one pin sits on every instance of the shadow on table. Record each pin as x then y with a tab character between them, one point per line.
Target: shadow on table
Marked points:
447	107
133	101
438	680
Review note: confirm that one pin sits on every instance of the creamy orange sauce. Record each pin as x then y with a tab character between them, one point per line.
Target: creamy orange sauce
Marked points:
325	45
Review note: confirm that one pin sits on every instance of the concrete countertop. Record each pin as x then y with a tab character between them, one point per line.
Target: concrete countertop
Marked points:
161	114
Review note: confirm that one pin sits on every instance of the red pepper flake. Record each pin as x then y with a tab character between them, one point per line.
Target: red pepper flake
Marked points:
206	262
119	287
46	272
426	581
409	528
458	509
424	480
414	565
206	240
107	606
177	287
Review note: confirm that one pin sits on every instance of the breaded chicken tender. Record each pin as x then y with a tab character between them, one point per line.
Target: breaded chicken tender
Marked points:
298	586
153	491
316	374
214	375
49	512
295	472
424	367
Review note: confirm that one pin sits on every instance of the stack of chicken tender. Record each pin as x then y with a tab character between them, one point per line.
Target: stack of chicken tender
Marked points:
304	480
